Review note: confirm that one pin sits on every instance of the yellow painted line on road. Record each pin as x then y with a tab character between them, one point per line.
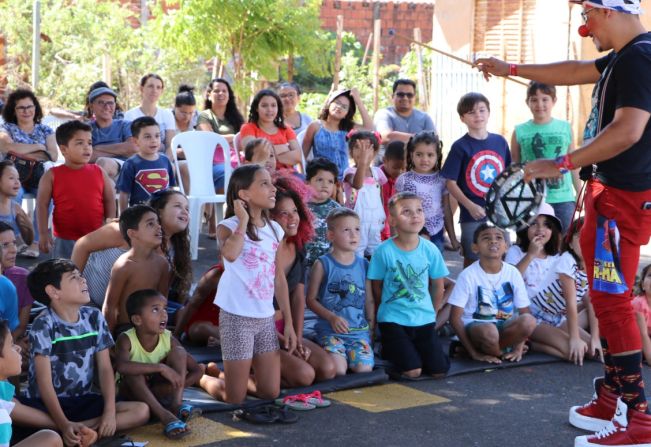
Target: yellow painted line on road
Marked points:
388	397
204	431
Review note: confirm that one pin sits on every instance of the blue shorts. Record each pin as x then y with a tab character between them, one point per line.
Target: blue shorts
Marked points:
357	350
499	324
76	409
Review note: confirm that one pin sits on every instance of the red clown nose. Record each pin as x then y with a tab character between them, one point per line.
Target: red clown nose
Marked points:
584	31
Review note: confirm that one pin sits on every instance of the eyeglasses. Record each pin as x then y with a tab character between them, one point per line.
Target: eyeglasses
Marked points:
405	95
102	104
179	112
24	108
287	95
6	245
340	105
584	14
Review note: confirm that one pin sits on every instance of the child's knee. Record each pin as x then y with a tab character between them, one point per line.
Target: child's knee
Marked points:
325	371
413	373
526	324
361	368
304	376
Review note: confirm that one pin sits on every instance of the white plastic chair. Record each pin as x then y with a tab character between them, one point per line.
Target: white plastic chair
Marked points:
199	148
300	137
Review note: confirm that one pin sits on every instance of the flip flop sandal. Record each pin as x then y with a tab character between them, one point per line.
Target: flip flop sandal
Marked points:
255	415
295	402
283	414
176	430
317	400
188	412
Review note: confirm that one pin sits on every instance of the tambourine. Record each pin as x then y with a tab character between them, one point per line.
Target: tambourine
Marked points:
511	202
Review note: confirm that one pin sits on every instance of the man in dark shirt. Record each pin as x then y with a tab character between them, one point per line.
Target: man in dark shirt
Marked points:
615	159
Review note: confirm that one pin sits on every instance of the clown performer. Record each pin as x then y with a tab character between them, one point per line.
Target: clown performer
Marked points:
615	159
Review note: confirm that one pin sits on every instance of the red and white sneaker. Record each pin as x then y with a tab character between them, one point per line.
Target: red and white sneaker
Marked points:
629	428
597	413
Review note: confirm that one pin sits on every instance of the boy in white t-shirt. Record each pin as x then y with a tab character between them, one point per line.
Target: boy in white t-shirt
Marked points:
490	307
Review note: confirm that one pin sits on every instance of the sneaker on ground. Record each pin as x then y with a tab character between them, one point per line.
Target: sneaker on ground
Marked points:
629	428
597	413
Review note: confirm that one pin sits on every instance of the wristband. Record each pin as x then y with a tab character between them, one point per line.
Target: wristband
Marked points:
513	69
238	232
564	164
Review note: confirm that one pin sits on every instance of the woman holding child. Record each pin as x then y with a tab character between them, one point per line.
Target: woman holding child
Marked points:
309	362
151	89
96	252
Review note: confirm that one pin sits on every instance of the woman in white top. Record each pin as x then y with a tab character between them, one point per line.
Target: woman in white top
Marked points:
151	89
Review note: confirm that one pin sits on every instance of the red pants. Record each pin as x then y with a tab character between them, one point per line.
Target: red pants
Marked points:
616	316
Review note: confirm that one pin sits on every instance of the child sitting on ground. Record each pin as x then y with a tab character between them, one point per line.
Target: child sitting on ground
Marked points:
490	307
200	320
641	305
70	349
8	300
405	271
154	368
10	211
139	268
340	295
321	176
148	171
393	164
9	367
260	151
555	305
363	189
69	186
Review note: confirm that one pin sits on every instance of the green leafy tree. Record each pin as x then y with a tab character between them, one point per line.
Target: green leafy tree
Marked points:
77	37
251	36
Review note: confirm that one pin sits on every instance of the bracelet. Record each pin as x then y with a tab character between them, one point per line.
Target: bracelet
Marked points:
513	69
238	232
564	164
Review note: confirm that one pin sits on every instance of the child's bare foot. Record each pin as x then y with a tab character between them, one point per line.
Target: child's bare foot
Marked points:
88	437
213	370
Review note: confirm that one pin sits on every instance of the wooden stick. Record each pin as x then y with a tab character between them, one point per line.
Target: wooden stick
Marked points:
377	28
368	47
451	56
340	31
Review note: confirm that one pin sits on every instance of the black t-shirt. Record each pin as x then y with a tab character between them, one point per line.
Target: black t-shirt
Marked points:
625	82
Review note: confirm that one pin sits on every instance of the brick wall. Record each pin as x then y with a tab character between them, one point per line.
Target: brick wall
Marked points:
402	16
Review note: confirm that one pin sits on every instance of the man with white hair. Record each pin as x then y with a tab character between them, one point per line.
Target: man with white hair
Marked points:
615	159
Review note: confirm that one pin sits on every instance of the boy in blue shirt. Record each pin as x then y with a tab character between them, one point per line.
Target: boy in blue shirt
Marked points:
340	295
148	171
474	161
69	344
403	270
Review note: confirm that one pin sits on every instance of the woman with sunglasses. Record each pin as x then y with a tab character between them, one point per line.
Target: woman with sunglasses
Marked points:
326	137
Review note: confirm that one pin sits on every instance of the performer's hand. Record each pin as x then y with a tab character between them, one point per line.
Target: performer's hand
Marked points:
543	168
491	66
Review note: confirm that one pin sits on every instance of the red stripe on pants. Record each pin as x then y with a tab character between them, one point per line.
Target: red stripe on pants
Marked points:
616	316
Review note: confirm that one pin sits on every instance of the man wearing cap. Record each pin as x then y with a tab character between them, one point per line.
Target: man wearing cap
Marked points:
402	120
112	143
615	159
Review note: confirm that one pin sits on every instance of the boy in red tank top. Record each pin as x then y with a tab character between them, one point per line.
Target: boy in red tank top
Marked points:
82	193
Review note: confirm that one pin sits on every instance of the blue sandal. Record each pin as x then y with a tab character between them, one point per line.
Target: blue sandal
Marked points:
176	430
188	412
